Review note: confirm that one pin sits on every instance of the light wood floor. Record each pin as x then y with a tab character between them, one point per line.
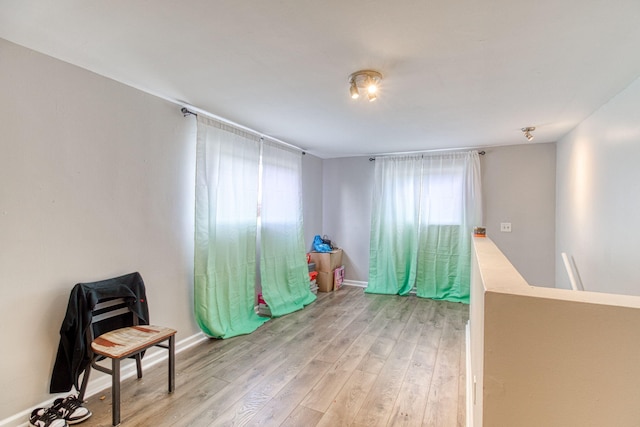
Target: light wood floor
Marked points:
348	359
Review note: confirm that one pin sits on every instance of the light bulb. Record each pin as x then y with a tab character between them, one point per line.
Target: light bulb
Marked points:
371	85
354	90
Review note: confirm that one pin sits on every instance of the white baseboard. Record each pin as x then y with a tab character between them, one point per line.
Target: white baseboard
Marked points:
103	381
355	283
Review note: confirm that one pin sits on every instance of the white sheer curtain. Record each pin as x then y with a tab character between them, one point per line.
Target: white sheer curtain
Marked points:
227	176
424	211
283	265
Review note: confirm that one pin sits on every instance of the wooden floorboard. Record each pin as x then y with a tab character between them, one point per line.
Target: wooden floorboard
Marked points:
348	359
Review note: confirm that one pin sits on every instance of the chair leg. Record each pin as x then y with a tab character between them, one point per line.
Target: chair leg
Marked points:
139	365
85	382
115	391
172	363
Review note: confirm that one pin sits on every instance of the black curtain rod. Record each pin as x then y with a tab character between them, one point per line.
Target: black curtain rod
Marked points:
186	112
482	153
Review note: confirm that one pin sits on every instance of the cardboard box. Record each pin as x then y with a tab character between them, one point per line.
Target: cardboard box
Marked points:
326	262
324	281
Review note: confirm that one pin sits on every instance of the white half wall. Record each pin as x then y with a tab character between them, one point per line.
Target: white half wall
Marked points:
546	356
598	197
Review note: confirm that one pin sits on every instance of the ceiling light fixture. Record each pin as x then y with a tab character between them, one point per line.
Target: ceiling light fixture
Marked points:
365	79
527	132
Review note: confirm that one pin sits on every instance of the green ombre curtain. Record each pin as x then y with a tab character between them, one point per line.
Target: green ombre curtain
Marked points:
394	225
284	272
432	251
227	176
450	206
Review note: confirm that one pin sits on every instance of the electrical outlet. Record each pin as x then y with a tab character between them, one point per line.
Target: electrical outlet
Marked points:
505	227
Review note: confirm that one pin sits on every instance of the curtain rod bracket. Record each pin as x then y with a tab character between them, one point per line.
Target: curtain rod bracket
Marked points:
186	112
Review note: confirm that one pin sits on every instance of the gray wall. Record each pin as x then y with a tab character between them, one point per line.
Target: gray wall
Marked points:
599	197
518	186
97	180
312	197
347	211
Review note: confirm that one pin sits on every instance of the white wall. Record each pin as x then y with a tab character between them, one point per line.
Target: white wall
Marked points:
598	197
518	185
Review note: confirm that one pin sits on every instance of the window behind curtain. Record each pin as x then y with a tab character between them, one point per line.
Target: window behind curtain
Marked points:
424	210
442	197
283	266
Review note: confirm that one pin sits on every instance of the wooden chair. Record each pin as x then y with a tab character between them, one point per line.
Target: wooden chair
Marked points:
123	343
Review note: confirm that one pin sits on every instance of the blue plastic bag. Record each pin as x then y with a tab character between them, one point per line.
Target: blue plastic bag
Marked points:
319	245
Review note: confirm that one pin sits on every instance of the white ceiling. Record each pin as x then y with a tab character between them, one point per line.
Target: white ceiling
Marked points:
457	73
